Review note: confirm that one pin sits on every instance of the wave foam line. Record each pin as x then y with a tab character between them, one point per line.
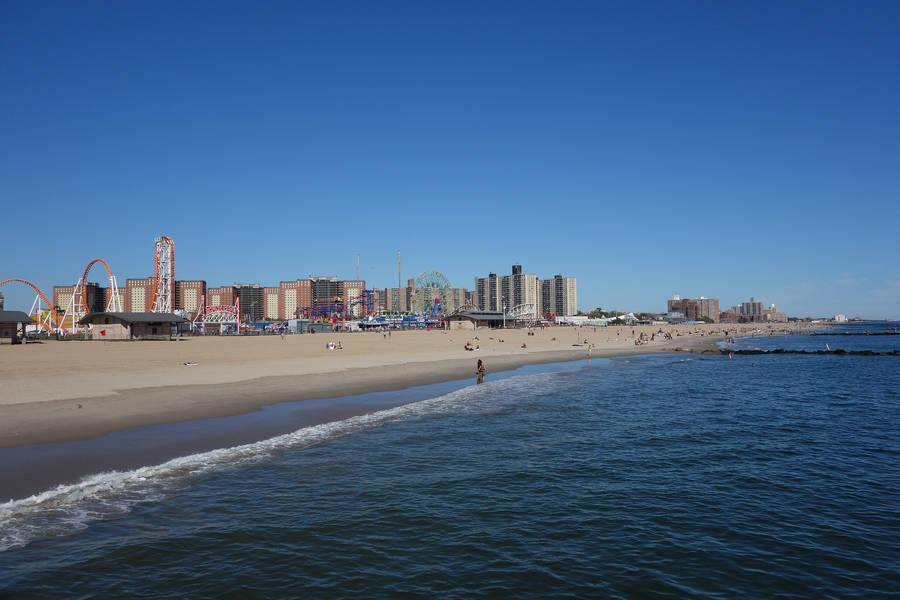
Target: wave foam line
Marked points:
71	507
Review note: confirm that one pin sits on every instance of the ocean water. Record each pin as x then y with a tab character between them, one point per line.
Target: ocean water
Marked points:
663	476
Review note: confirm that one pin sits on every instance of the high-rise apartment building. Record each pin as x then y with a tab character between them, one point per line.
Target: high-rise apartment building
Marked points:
559	296
189	295
294	296
752	309
251	297
325	290
709	309
271	299
351	295
487	292
548	297
138	294
390	300
565	294
520	288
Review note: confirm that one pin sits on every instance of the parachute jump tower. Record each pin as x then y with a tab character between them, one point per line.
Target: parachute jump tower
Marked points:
163	276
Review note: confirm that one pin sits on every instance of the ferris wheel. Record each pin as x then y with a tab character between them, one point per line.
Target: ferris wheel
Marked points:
434	296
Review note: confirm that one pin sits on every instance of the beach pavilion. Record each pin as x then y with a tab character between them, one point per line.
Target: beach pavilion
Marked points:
131	325
476	319
10	322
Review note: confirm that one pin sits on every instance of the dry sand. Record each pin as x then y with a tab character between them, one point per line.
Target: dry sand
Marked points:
61	391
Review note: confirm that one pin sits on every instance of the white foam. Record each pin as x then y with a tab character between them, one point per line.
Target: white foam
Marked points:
71	507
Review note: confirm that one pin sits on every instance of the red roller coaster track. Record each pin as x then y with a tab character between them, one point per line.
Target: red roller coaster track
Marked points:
56	316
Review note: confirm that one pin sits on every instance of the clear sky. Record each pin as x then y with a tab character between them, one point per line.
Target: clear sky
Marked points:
721	149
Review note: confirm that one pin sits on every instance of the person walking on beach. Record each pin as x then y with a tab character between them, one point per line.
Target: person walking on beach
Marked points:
480	371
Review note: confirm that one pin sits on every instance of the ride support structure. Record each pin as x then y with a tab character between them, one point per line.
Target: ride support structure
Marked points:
163	276
321	312
362	306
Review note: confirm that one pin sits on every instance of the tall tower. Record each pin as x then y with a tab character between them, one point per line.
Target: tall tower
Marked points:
164	276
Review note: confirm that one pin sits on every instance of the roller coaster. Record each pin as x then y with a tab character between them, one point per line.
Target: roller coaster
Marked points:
51	320
161	300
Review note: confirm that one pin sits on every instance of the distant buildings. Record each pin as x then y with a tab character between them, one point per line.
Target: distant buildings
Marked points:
693	309
322	296
702	309
555	296
403	300
752	311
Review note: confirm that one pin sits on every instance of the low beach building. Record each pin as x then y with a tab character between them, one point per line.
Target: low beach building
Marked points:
476	319
131	325
10	323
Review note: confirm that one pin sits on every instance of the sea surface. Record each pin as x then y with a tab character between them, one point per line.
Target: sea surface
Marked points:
660	476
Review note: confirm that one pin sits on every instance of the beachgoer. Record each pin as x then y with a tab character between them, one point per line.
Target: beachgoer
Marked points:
480	371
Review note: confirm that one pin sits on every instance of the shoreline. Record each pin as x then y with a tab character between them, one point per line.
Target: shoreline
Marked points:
74	407
52	442
80	418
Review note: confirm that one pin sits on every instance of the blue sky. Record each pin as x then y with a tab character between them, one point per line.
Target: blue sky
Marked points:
720	149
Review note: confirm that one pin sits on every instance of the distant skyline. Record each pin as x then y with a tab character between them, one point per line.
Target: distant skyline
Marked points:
698	148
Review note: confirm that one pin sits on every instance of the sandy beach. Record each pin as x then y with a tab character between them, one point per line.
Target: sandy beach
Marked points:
63	391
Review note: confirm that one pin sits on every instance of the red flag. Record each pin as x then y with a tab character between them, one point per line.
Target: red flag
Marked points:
102	332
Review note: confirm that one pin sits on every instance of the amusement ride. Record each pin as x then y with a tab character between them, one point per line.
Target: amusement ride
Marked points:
431	302
50	320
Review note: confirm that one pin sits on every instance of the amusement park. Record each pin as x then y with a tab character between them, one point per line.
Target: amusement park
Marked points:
316	304
66	317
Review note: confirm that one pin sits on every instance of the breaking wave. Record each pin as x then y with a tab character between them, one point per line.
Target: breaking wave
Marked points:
68	508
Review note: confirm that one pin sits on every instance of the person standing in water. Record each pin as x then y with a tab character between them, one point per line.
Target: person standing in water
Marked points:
480	371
